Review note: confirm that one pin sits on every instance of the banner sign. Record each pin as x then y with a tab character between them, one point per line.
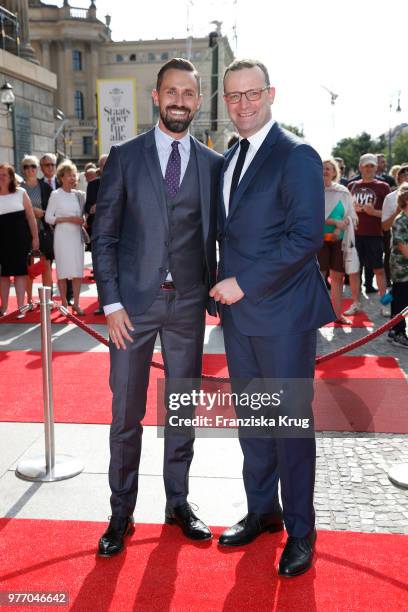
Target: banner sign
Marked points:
117	117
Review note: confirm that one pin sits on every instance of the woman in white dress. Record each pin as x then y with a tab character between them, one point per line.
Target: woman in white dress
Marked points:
65	211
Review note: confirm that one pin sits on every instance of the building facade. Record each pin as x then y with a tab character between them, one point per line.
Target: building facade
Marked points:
78	47
30	126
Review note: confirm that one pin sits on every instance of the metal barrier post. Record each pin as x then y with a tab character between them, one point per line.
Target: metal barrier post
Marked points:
398	474
50	467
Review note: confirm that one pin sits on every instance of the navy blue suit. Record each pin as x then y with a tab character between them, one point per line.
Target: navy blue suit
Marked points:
269	243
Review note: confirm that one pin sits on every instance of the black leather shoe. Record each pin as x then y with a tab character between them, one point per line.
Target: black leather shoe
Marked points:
297	556
371	289
190	524
250	527
99	311
113	540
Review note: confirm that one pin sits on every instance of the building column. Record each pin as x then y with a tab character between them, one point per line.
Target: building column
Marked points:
46	57
92	74
26	50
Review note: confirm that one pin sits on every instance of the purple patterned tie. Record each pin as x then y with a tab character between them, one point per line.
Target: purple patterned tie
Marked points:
173	170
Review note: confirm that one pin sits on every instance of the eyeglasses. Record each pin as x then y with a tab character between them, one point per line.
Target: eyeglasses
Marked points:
32	166
252	95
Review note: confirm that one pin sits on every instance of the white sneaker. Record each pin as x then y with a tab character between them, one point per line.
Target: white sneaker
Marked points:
354	309
385	312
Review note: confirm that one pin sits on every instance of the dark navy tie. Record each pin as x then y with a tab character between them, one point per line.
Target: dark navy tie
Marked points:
244	144
173	170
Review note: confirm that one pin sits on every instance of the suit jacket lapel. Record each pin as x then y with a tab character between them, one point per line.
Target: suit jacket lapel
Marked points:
153	166
253	168
204	183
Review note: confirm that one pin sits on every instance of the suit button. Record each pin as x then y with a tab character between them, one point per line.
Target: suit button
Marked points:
166	243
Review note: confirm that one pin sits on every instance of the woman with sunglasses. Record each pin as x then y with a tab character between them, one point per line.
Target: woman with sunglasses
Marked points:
39	193
18	234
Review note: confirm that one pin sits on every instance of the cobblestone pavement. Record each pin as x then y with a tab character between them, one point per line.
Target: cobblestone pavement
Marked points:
353	491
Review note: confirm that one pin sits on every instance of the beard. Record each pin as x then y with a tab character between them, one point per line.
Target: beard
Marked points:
176	125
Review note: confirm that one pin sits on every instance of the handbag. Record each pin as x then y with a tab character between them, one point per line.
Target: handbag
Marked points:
351	260
84	234
35	264
350	256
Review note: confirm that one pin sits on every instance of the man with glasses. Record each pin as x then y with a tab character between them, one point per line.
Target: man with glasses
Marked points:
48	165
274	298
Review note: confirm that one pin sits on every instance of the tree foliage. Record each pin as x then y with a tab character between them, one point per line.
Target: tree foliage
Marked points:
293	128
400	149
351	149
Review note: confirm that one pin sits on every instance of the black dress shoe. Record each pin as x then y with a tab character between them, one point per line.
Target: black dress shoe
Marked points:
371	289
250	527
113	540
297	556
99	311
190	524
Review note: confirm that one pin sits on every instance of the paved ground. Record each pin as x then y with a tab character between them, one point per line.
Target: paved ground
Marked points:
353	491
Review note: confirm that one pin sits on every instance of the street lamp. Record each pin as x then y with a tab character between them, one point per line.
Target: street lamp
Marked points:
397	110
7	98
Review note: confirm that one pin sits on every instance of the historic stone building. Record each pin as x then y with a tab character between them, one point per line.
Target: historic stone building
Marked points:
78	47
30	126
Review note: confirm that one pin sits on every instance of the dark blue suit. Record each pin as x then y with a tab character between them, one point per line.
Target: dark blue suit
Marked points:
269	242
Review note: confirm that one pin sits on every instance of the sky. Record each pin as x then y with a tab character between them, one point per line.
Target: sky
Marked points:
354	48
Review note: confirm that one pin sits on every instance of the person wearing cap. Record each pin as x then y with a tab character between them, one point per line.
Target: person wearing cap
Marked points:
368	196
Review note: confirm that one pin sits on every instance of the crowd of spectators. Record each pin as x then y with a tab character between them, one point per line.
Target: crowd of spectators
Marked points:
367	212
372	206
43	214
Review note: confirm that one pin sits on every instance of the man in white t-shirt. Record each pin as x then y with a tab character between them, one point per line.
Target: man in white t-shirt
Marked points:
390	209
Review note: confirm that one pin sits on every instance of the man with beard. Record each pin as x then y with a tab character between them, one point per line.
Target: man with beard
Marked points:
154	261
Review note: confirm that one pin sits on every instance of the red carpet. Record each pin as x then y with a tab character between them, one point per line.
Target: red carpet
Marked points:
162	571
369	394
88	304
359	320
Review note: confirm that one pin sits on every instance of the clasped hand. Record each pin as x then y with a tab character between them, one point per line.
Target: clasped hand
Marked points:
227	291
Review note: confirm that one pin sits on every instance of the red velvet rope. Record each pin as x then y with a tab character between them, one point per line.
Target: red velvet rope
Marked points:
320	359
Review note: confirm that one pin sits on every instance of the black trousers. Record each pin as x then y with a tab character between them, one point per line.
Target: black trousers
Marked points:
399	302
180	323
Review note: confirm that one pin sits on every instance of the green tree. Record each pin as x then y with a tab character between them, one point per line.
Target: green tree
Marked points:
293	128
351	149
400	149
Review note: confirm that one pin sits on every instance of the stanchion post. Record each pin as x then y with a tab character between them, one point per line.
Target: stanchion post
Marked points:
46	355
50	467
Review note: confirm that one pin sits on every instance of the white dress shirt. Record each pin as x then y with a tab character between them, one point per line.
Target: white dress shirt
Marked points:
390	205
255	142
163	146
